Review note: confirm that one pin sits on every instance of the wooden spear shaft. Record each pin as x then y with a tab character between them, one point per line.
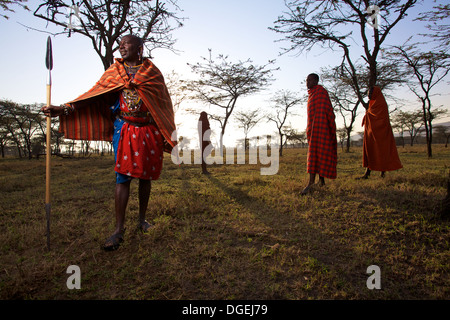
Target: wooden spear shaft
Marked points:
47	170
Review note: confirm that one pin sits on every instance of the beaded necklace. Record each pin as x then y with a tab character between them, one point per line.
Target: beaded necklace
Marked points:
131	96
131	70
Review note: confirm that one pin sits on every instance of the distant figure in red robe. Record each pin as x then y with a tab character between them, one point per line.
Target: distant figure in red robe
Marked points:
204	137
321	134
379	148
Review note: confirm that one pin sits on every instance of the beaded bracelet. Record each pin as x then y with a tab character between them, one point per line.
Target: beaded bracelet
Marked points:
67	109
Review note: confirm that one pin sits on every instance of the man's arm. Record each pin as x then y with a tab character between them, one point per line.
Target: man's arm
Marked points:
56	111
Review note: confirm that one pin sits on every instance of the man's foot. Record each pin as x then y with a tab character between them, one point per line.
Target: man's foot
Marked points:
321	182
306	190
366	175
205	172
145	226
113	242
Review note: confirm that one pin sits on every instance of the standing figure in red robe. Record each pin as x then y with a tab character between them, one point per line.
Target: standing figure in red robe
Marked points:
321	134
379	148
131	107
204	132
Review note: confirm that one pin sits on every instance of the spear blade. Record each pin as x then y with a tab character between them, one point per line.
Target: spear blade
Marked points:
49	61
49	55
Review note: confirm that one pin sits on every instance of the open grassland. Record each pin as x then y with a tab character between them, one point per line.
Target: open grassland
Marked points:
233	235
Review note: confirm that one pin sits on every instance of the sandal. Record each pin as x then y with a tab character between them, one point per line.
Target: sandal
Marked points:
113	242
145	226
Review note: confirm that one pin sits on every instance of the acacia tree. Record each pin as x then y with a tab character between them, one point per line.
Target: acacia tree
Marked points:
9	125
5	5
443	132
411	121
283	100
104	22
399	126
428	69
342	136
295	136
332	24
439	29
247	120
221	83
21	122
4	138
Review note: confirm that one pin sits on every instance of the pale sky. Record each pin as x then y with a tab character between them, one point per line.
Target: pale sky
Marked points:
237	28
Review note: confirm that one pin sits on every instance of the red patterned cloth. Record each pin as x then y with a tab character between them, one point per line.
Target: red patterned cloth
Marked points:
321	134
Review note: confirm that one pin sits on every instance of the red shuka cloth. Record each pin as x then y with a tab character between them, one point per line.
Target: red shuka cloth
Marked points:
92	119
379	148
321	134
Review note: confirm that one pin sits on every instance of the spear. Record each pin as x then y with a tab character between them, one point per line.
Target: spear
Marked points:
49	65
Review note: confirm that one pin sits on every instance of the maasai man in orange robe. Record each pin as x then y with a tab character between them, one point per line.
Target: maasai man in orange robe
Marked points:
131	106
379	148
321	134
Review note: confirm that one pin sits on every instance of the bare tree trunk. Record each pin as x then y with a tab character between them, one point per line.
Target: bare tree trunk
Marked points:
427	123
349	131
281	143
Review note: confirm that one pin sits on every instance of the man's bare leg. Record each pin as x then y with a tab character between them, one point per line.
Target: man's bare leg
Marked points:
204	170
122	195
321	181
145	187
312	179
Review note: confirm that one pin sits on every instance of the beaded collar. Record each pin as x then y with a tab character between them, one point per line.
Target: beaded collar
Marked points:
131	70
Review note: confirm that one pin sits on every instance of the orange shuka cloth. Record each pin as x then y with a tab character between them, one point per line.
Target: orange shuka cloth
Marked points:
379	148
92	117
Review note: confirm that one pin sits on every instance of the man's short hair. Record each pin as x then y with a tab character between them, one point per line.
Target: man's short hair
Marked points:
315	77
138	40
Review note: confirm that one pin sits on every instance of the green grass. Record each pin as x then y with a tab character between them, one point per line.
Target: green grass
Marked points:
233	235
